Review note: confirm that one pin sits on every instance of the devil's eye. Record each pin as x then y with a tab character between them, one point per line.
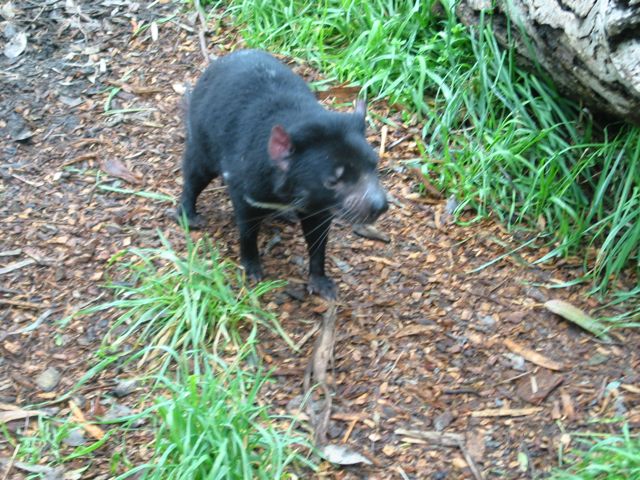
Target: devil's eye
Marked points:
332	181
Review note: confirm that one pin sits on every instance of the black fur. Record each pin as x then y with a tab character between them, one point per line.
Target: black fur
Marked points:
241	102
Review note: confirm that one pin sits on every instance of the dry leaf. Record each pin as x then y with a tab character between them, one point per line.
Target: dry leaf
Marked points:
16	45
370	232
459	463
179	88
12	412
384	261
567	406
389	450
532	356
44	472
535	388
340	92
93	430
577	316
415	330
154	31
475	444
8	11
342	455
116	168
630	388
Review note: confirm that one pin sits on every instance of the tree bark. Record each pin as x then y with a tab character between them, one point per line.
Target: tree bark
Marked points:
590	48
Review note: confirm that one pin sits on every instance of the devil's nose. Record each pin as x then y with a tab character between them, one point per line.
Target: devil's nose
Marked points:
379	205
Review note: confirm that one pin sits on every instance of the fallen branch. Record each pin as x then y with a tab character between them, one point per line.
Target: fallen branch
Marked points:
316	374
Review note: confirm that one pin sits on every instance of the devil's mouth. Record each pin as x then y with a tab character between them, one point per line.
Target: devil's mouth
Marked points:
338	211
282	207
354	218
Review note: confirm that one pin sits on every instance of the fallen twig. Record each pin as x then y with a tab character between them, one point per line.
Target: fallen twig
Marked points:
10	462
28	182
506	412
307	336
577	316
202	30
383	140
347	434
22	304
394	144
16	266
79	158
34	325
515	377
532	355
89	141
470	462
135	89
445	439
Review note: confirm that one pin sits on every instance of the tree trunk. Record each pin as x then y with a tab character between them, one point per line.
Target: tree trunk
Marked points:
590	48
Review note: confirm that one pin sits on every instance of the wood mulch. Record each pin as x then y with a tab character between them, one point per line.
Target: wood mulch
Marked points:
434	375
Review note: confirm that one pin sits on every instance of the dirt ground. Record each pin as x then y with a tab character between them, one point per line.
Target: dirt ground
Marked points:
430	371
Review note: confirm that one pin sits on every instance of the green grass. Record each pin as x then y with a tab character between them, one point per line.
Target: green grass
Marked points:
185	325
212	425
603	457
208	422
500	139
42	450
194	301
190	317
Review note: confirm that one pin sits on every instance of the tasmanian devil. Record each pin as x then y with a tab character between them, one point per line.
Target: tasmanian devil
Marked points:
256	123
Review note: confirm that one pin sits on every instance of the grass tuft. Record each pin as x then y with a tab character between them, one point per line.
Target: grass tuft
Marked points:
213	426
604	457
183	302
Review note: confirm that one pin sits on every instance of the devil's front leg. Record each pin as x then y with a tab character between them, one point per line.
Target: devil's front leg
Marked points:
248	220
316	232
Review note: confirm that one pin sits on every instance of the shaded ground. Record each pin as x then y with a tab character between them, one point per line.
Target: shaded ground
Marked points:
421	343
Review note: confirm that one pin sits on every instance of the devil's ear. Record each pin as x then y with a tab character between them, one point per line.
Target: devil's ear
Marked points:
361	107
280	147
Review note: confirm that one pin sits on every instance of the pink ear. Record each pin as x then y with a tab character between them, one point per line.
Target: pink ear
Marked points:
280	146
361	107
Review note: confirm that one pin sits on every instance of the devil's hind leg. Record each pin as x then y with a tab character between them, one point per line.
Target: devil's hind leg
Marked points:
197	172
